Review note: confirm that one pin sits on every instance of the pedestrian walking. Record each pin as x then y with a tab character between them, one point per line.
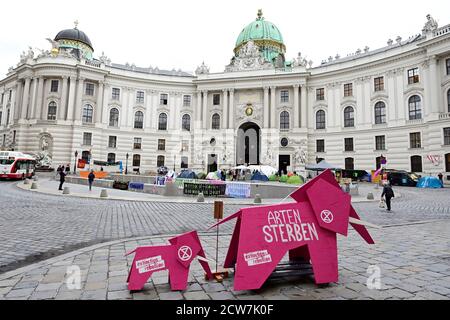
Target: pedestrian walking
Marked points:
441	178
91	178
388	193
67	169
62	179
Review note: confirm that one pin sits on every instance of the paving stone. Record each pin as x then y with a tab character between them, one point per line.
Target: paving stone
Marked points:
94	295
119	295
223	295
43	295
69	295
196	295
92	286
48	286
398	293
25	285
8	282
173	295
213	287
20	293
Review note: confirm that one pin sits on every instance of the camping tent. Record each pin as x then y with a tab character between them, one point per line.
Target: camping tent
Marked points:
187	174
212	176
266	170
321	166
429	182
295	180
258	176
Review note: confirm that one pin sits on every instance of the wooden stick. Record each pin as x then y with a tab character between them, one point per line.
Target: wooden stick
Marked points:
363	223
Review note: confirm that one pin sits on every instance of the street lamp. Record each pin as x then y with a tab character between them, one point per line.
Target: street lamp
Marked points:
174	160
75	164
126	165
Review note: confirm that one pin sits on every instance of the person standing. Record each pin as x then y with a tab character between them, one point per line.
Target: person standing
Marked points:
67	169
62	179
441	176
388	193
91	178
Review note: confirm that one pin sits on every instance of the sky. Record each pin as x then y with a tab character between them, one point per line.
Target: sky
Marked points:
180	34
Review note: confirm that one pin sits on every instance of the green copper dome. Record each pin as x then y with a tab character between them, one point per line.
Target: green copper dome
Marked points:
265	35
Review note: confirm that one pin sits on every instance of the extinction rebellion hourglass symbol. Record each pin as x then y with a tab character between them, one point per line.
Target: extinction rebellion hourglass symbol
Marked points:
326	216
185	253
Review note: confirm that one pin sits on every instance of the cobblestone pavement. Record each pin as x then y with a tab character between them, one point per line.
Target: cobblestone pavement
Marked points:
413	261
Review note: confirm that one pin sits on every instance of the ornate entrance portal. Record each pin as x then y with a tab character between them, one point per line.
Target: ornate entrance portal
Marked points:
247	145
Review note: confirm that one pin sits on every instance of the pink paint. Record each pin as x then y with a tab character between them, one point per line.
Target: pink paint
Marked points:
176	257
305	229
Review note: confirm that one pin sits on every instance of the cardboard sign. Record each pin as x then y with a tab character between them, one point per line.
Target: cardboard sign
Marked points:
306	229
176	257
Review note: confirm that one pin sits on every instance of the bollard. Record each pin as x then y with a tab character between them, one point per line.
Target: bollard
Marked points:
35	178
104	193
200	197
66	190
257	198
26	181
370	196
34	186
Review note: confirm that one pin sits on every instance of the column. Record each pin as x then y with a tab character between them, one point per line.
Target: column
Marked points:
148	115
266	108
79	100
178	110
198	111
231	114
155	104
26	94
434	85
296	107
32	111
105	113
99	104
273	93
71	102
130	112
14	96
63	107
40	94
3	109
225	109
205	109
304	107
16	113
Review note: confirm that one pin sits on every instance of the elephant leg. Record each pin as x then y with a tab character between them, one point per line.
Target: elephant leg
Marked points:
137	281
324	260
178	277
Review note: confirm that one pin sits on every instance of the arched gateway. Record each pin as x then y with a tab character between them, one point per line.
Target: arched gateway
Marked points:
248	144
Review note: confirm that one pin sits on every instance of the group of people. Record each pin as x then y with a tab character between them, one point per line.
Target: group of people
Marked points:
63	171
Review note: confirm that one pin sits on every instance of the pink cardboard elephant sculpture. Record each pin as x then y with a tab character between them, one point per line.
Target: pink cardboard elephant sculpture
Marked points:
176	257
306	229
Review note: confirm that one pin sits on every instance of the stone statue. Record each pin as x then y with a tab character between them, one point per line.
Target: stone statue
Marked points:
44	144
203	69
430	25
54	43
30	54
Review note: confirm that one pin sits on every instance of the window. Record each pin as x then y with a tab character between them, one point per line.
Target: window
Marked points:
8	113
320	119
380	113
139	120
348	144
112	142
163	99
136	160
415	108
87	138
86	156
216	99
161	144
348	90
186	122
9	95
4	140
54	86
137	144
414	140
215	125
184	162
185	145
51	113
320	145
3	96
284	95
186	101
380	143
448	100
160	161
115	93
111	158
114	117
413	75
87	113
447	136
284	142
416	164
89	89
1	113
349	164
162	122
378	84
140	97
284	120
349	117
320	94
14	137
447	63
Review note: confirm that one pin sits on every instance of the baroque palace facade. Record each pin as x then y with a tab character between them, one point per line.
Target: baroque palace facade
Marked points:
263	109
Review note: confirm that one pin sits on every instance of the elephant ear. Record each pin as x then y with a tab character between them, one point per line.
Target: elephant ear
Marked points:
187	248
331	206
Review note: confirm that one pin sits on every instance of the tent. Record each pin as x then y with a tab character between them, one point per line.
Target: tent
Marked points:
429	182
241	167
321	166
266	170
212	176
258	176
187	174
295	180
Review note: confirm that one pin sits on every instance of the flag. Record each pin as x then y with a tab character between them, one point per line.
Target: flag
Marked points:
377	172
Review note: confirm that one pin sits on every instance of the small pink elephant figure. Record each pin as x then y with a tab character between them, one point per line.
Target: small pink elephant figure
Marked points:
176	257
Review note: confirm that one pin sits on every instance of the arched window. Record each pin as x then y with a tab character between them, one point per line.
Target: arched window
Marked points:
447	162
111	157
86	155
349	164
51	114
139	120
87	113
415	108
215	121
160	161
448	100
186	122
136	160
416	164
284	120
114	117
320	119
349	117
380	112
162	122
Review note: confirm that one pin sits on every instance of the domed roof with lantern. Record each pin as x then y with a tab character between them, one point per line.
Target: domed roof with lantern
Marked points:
75	39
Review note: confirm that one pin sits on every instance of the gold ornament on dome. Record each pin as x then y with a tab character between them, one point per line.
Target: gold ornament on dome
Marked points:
54	52
249	110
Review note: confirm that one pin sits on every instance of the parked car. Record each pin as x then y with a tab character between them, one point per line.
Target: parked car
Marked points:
402	178
162	170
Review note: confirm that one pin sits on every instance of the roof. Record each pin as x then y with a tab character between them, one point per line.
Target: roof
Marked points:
151	70
74	34
260	29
